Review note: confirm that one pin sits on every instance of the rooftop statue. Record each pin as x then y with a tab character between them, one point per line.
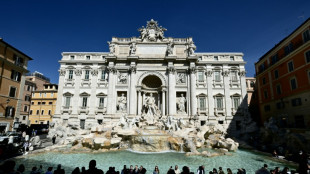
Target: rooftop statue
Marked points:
152	32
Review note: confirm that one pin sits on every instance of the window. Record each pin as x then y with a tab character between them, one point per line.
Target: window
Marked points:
40	94
232	58
307	56
45	94
25	108
219	103
28	88
70	74
265	94
67	101
276	74
86	74
39	103
280	105
217	76
299	121
306	35
202	103
264	80
33	94
38	112
252	84
72	57
18	60
15	75
288	49
52	94
200	76
84	102
12	91
50	103
43	103
30	112
234	76
261	67
27	98
216	58
278	89
88	57
24	117
274	59
296	102
290	66
267	108
99	121
49	112
103	74
293	83
236	103
9	111
32	103
82	124
101	102
42	112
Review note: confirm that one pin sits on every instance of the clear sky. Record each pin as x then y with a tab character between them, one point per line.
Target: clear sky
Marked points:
43	29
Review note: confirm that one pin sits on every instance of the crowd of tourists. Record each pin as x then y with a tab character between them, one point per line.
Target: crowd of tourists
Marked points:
8	167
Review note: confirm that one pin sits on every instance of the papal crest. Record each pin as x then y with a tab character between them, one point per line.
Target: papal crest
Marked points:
152	32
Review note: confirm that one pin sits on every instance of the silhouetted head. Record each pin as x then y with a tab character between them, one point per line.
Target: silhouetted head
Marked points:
59	167
34	168
265	166
92	164
21	168
49	168
9	165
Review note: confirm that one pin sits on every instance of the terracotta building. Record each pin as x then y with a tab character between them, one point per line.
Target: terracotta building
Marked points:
13	67
283	80
43	104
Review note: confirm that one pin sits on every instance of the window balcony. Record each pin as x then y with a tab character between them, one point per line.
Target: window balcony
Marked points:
219	111
66	109
83	109
101	109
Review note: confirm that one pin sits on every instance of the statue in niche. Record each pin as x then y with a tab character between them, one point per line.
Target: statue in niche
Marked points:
122	78
111	48
150	109
122	102
181	104
191	48
169	49
132	49
181	78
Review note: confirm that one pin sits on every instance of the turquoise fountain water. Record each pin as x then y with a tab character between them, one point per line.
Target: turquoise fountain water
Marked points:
240	159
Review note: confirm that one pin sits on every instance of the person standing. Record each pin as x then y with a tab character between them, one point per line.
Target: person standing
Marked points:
176	169
156	170
54	139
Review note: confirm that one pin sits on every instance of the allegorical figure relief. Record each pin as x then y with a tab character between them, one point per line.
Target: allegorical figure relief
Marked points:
169	49
111	48
181	78
181	104
122	102
122	78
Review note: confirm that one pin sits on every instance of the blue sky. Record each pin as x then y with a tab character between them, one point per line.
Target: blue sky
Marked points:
44	29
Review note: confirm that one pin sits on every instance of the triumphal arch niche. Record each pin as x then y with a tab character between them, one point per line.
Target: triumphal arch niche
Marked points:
151	76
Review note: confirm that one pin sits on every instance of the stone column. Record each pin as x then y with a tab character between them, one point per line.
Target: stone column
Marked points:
110	90
76	101
227	102
132	92
93	103
59	103
163	98
139	102
171	91
193	91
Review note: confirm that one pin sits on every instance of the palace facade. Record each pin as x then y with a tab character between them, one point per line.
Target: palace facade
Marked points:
152	76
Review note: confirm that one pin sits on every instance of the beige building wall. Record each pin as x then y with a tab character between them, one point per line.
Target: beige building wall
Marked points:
13	67
43	104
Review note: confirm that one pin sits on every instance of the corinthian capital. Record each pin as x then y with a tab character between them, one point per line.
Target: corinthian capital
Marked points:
62	72
171	69
192	70
111	69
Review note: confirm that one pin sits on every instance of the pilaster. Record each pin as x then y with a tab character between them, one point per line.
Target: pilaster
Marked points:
193	87
132	90
171	90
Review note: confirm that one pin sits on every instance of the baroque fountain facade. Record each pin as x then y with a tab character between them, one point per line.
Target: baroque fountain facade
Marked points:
151	93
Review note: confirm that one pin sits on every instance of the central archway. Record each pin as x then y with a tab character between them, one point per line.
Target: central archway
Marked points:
151	81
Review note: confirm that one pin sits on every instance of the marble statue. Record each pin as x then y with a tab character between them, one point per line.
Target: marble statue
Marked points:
122	78
132	49
143	32
181	104
169	49
181	78
191	48
122	102
111	48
